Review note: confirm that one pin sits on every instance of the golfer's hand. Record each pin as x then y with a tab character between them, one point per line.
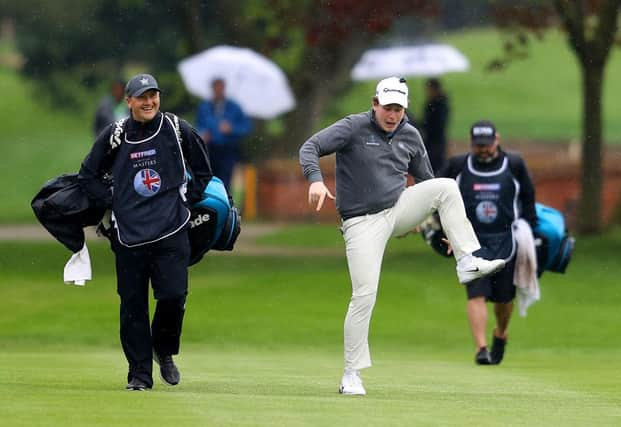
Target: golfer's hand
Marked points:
317	193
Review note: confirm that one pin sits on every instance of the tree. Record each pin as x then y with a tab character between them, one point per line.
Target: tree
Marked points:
591	29
71	45
316	43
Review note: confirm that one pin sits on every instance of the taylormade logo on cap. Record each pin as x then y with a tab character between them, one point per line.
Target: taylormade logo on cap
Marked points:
392	90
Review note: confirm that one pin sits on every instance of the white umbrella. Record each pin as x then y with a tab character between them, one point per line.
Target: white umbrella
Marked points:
417	60
256	83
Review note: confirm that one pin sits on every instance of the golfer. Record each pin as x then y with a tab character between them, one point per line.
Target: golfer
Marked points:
375	150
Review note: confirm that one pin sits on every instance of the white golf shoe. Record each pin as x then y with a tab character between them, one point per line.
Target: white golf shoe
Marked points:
352	384
475	268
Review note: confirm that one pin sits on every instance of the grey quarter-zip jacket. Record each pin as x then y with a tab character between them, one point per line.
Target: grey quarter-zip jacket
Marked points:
371	164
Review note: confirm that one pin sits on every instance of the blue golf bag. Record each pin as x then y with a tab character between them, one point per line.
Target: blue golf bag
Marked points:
214	223
554	245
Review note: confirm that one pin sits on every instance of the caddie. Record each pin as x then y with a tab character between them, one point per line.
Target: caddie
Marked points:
497	190
139	168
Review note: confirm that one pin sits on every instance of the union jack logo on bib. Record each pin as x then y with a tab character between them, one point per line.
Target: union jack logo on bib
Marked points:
487	211
147	182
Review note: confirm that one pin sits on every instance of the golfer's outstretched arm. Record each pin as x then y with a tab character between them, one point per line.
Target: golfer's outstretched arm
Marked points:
324	142
309	159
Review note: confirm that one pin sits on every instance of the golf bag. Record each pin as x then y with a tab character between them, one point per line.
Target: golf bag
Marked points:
554	245
214	223
432	233
64	210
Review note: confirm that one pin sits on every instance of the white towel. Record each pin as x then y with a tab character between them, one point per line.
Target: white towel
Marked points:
525	275
78	268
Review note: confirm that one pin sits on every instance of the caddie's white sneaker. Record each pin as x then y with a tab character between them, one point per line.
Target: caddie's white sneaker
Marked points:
351	384
476	268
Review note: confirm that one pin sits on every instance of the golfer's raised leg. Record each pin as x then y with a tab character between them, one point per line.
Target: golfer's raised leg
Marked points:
442	195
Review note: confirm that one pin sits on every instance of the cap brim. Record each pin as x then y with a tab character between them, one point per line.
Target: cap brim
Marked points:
483	141
144	89
388	99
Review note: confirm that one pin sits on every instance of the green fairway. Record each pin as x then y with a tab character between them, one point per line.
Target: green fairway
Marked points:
247	387
263	344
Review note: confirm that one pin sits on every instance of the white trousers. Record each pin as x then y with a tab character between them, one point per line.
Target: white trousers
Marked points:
365	241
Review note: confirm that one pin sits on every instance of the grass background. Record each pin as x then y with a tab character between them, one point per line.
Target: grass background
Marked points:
534	99
38	142
263	343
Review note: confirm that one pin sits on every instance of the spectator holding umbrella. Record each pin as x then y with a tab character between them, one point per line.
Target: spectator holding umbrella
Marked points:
222	124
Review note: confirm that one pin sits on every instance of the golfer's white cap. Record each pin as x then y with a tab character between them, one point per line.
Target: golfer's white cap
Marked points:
392	90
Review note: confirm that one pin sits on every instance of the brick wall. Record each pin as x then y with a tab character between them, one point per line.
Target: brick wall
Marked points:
555	169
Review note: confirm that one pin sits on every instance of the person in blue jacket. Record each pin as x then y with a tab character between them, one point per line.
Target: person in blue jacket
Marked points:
222	124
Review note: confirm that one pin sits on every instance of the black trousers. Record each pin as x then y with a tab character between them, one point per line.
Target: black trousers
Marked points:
165	264
223	159
498	287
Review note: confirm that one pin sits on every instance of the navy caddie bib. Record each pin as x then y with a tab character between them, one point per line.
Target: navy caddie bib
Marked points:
148	202
491	201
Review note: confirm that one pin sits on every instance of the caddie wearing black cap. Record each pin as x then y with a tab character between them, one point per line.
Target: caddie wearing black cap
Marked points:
497	190
375	151
139	168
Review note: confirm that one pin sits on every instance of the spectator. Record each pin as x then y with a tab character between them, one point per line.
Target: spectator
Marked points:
112	107
222	124
435	120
